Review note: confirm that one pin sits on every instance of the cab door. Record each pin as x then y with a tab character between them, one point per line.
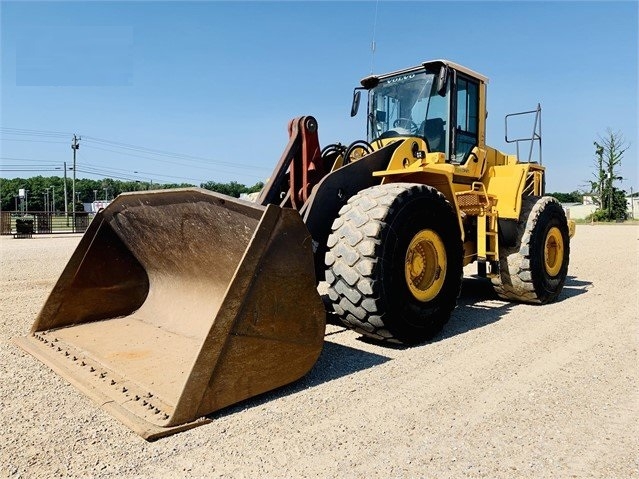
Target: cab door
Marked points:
464	116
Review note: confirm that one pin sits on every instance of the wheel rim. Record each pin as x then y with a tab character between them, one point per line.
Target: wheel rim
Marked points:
554	251
425	265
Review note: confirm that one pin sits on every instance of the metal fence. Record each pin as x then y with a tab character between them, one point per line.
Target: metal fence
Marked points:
43	222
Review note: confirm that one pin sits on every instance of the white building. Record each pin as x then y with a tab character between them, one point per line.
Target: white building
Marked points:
580	211
95	206
633	206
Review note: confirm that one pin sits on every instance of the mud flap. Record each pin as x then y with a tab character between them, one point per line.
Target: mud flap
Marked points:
178	303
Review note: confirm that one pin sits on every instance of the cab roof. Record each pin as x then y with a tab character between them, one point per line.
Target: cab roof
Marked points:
426	64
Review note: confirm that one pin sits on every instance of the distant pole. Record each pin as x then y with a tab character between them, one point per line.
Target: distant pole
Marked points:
74	147
610	201
95	195
66	195
53	199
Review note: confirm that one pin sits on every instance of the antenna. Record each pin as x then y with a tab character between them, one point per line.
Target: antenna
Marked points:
373	45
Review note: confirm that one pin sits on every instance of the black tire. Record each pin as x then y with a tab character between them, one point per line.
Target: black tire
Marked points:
525	273
367	257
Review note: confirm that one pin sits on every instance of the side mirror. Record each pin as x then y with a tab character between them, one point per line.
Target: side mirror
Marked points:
442	80
355	106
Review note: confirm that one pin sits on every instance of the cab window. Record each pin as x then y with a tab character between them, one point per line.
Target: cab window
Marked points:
467	118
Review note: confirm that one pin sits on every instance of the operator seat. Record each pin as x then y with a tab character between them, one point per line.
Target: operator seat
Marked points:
435	135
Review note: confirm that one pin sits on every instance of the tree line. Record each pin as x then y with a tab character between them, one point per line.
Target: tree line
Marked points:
47	193
573	197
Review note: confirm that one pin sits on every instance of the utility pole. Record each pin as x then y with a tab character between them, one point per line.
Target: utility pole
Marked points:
74	146
611	196
53	199
66	203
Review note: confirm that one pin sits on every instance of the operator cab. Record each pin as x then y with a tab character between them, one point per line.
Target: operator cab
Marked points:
425	101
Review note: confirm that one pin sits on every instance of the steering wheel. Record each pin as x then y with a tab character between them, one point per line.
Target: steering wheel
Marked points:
406	123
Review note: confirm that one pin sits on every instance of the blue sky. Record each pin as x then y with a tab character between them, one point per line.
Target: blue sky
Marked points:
207	88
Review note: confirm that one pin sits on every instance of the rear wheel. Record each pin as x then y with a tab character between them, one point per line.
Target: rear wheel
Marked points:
394	263
535	269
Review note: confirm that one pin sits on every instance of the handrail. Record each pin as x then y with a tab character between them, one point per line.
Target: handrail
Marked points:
536	132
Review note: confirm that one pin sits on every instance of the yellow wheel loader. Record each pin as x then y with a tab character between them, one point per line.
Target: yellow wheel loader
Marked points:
178	303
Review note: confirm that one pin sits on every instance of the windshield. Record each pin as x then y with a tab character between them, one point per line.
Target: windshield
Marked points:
408	105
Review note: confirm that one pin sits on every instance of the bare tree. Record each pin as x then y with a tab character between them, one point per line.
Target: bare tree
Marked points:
609	151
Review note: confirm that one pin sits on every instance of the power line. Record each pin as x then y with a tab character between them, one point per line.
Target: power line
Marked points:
34	141
37	134
244	174
107	175
141	179
135	175
169	154
45	165
91	168
216	170
23	159
25	170
23	131
130	150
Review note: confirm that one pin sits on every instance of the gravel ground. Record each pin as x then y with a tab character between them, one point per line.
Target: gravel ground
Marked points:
506	390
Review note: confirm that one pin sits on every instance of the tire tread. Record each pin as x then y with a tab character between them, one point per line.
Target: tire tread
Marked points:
353	255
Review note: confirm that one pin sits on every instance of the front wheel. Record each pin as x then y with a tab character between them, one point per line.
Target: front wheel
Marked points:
394	262
535	269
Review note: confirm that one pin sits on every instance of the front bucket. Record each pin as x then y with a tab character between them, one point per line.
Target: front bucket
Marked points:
178	303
